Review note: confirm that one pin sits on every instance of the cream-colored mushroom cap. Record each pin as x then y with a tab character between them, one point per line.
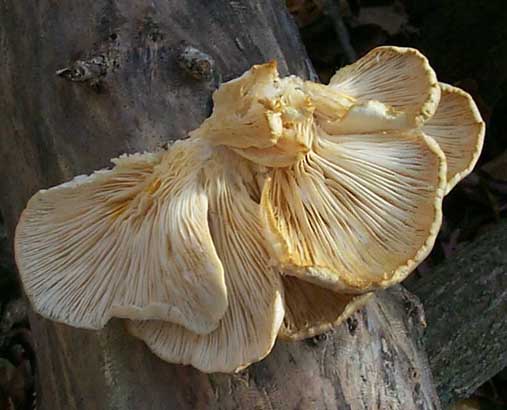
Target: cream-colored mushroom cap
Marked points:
458	128
252	321
131	242
262	117
401	78
359	213
311	310
363	208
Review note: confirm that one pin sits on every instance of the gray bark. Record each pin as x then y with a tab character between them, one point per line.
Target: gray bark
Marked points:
374	361
465	300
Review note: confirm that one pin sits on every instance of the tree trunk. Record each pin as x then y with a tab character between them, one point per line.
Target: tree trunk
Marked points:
465	300
124	85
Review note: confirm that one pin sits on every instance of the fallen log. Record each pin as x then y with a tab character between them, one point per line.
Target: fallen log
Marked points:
465	300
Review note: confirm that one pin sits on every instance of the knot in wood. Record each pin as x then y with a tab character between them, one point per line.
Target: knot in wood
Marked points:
198	64
85	70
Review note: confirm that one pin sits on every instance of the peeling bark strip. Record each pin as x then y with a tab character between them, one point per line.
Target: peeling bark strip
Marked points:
53	130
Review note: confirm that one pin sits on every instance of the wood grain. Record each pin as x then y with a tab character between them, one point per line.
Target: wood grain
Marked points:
465	300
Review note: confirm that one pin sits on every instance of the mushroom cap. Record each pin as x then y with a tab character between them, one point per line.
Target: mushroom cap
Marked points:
131	242
458	128
311	310
250	325
363	208
395	76
262	117
244	113
359	212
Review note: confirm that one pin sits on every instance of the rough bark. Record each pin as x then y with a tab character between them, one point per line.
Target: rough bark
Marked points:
123	85
374	361
465	301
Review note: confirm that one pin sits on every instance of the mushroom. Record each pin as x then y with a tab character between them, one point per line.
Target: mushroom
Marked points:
276	217
360	212
262	117
311	310
459	130
249	328
400	78
131	242
362	207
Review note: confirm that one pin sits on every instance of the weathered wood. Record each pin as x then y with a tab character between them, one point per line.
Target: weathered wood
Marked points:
374	361
128	92
465	300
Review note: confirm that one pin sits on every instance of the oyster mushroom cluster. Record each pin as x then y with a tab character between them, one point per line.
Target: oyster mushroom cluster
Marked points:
277	217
